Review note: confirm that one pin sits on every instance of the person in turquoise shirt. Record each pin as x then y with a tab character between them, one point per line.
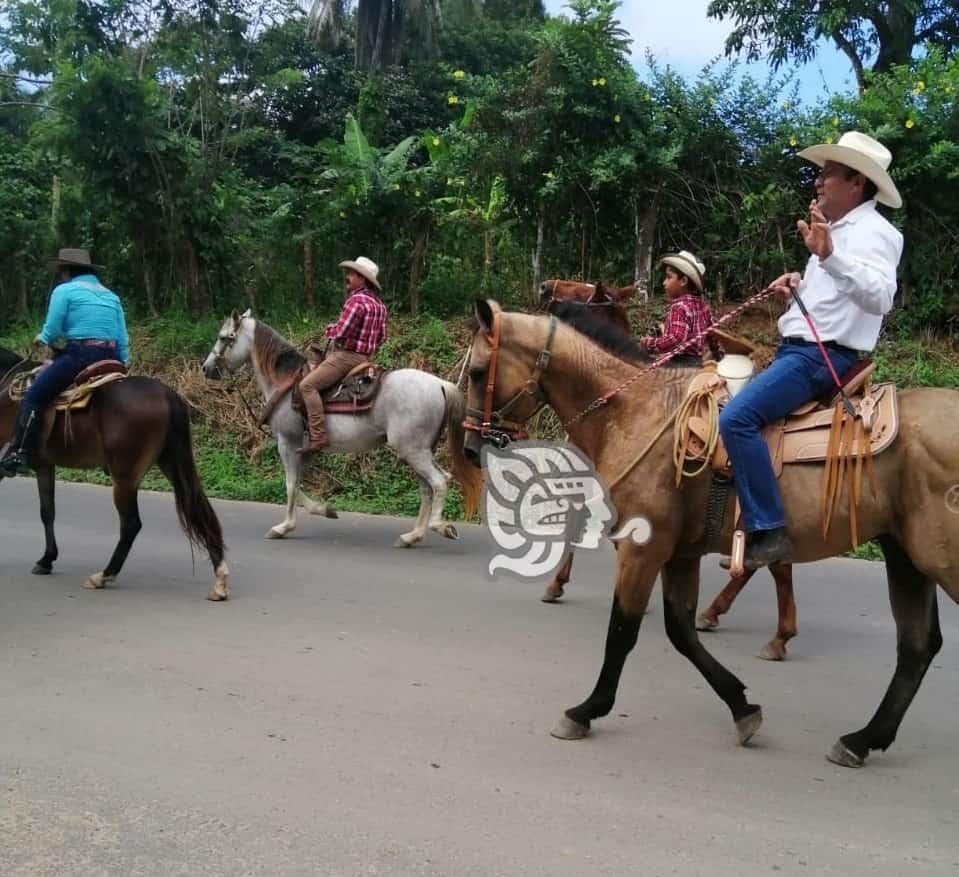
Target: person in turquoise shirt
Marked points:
85	318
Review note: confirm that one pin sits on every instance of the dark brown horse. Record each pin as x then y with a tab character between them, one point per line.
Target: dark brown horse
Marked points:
619	415
605	304
127	427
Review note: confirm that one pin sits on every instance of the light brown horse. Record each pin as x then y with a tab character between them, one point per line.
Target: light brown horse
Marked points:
565	298
909	514
128	426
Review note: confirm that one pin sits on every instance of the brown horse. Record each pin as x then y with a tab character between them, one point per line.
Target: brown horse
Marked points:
617	415
127	427
606	305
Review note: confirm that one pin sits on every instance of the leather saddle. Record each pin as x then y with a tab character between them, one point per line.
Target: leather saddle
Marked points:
804	435
78	395
355	394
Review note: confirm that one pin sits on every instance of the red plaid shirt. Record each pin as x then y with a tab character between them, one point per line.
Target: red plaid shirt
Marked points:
688	315
362	323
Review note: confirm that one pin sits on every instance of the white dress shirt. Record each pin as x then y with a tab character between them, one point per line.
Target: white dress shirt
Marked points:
848	293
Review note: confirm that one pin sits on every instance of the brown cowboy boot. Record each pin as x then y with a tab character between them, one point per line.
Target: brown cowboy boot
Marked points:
316	420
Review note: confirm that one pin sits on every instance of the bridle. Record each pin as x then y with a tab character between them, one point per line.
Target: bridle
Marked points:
225	340
494	424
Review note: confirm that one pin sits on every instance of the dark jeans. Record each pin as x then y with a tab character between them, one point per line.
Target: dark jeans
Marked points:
796	375
57	376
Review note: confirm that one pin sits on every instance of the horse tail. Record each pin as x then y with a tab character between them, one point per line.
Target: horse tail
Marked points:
196	515
467	476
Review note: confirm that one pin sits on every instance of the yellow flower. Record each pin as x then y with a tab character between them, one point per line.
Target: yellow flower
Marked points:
396	187
452	99
910	123
835	121
342	214
449	181
459	74
793	141
948	89
788	105
602	80
548	175
417	193
436	141
829	139
617	119
595	83
920	86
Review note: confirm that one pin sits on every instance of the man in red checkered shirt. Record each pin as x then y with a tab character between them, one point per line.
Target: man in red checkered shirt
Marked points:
688	314
354	339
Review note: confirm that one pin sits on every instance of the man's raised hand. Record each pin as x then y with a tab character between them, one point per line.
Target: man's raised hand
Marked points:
816	233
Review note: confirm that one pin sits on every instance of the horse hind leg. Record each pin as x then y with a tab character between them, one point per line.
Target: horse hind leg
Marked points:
914	607
554	590
46	484
125	500
787	627
709	618
417	534
324	509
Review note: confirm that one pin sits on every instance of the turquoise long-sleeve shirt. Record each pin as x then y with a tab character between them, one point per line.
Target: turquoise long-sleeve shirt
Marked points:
84	308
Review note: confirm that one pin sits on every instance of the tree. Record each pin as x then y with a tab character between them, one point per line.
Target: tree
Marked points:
384	28
873	34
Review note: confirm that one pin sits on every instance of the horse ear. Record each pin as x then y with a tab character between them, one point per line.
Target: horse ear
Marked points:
603	293
484	309
234	316
247	313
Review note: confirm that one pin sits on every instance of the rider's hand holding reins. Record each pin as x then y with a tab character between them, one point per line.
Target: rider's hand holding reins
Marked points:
785	285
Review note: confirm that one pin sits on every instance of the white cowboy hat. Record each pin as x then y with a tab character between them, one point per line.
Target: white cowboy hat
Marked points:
366	268
688	264
863	154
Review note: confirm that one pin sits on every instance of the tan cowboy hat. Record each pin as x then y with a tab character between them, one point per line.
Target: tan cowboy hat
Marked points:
75	258
863	154
688	264
366	268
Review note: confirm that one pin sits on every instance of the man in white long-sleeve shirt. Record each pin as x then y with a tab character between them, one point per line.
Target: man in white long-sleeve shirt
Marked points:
847	287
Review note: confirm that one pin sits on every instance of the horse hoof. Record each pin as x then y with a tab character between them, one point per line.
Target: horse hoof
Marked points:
747	726
843	756
551	598
97	581
40	570
772	652
402	542
705	622
273	533
330	512
450	532
567	729
216	596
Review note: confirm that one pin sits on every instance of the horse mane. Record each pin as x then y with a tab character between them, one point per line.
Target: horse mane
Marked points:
607	335
275	356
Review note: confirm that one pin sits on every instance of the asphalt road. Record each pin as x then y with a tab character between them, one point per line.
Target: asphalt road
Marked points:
357	709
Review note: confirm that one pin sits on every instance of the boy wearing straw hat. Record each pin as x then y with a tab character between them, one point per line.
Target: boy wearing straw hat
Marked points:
847	287
688	313
353	339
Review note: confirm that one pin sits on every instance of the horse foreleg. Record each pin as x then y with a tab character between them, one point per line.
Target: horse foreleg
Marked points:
775	649
293	470
680	589
554	590
636	569
323	509
709	618
914	606
125	500
46	484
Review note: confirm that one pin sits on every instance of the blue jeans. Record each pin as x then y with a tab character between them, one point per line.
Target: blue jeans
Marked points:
57	376
796	375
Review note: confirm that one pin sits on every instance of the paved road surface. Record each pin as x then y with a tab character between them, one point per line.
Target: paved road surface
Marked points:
361	710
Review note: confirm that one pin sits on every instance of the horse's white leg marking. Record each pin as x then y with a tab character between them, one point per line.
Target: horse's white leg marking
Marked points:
293	467
424	465
221	587
408	540
98	580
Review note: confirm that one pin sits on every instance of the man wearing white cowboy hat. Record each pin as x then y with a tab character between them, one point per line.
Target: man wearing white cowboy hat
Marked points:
89	319
847	287
354	339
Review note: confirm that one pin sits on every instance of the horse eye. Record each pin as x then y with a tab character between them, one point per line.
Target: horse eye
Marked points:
477	374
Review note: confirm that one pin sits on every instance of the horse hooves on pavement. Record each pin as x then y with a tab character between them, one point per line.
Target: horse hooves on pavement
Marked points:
772	652
40	570
450	532
704	622
843	756
274	534
566	729
402	543
97	581
216	596
551	598
747	726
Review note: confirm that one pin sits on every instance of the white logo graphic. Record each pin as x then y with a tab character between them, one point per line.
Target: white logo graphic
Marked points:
540	500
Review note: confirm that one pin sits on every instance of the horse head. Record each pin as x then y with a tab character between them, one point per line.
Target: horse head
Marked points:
233	347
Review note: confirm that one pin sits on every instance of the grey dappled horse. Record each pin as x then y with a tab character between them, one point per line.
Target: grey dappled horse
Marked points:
411	410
